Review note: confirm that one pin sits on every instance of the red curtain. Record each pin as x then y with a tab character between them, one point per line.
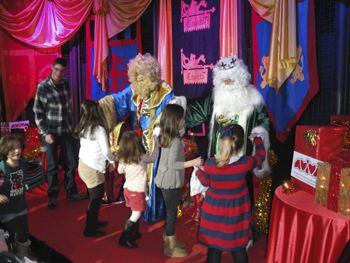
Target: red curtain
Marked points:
43	26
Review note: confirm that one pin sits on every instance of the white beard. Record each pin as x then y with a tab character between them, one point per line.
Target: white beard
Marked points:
231	100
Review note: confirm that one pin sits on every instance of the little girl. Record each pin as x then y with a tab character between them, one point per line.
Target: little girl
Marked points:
171	174
226	217
13	206
94	151
133	163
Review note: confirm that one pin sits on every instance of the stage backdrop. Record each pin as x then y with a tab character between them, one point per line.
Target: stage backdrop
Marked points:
122	47
22	67
286	107
196	49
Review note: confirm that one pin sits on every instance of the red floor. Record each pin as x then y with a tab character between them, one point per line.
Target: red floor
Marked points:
62	230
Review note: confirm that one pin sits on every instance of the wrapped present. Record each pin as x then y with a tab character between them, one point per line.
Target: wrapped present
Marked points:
313	144
340	120
5	129
333	186
31	134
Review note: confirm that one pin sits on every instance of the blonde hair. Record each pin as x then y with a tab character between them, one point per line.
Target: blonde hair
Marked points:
169	124
231	141
144	74
130	148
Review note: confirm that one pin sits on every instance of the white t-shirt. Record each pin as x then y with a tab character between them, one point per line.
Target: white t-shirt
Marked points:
94	151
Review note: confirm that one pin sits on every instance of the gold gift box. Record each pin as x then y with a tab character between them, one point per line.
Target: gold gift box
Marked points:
322	187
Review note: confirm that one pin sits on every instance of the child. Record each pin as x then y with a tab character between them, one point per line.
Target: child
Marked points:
94	151
171	174
225	222
133	162
13	206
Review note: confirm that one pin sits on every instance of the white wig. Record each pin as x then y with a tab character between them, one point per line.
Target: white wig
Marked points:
231	68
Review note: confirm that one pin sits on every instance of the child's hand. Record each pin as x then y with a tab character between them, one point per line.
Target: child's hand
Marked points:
252	136
198	161
4	199
111	167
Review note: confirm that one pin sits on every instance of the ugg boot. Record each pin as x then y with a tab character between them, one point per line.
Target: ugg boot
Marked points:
23	249
178	243
135	232
125	239
171	250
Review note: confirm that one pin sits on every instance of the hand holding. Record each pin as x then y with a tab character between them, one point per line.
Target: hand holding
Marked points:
4	199
198	161
252	136
111	167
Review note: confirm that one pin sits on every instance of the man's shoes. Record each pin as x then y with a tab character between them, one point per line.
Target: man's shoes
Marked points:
101	224
76	197
52	203
94	233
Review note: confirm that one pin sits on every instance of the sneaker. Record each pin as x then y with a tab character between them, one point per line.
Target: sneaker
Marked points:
76	197
52	203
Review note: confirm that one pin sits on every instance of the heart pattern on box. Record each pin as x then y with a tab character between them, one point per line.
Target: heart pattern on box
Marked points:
306	167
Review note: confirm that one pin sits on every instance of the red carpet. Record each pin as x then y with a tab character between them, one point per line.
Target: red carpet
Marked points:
62	230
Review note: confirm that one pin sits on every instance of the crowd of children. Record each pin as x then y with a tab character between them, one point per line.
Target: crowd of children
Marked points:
225	223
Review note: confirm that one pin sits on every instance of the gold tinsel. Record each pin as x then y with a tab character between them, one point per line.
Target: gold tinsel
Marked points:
271	158
288	186
33	154
179	212
311	137
261	205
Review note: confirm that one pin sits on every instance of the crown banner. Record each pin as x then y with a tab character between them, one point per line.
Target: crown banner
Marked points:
122	47
286	107
195	26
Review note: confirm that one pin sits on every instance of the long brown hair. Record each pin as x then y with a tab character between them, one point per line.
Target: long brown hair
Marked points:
169	124
232	139
91	116
130	148
6	144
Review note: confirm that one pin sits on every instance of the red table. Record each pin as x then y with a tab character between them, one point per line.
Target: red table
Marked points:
304	232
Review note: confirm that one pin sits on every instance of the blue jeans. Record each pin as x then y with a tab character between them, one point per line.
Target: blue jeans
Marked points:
66	143
171	199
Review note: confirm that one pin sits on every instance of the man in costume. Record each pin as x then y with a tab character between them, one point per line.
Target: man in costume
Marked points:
232	100
145	99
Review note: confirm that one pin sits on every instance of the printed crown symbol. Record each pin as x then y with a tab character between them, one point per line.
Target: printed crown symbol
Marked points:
18	79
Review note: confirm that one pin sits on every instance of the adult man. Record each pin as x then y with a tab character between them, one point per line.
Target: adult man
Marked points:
233	100
145	99
53	116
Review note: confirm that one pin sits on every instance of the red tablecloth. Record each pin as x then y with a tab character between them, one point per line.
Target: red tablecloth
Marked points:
304	232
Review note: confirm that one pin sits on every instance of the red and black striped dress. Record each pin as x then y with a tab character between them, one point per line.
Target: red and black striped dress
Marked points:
225	218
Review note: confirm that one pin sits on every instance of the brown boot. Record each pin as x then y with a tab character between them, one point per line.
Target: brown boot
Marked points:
171	250
23	249
178	243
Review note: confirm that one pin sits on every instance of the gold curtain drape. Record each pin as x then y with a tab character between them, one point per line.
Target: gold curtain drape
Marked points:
165	41
228	28
283	55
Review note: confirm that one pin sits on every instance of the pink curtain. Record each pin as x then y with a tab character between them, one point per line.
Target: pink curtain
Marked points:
228	28
165	41
45	24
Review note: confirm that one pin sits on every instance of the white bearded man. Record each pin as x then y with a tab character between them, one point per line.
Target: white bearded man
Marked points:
233	100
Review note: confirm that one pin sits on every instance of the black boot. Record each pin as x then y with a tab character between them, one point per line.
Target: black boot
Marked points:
135	233
125	239
90	228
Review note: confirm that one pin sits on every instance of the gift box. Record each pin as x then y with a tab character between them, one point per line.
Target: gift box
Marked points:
31	134
333	186
320	143
340	120
5	129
